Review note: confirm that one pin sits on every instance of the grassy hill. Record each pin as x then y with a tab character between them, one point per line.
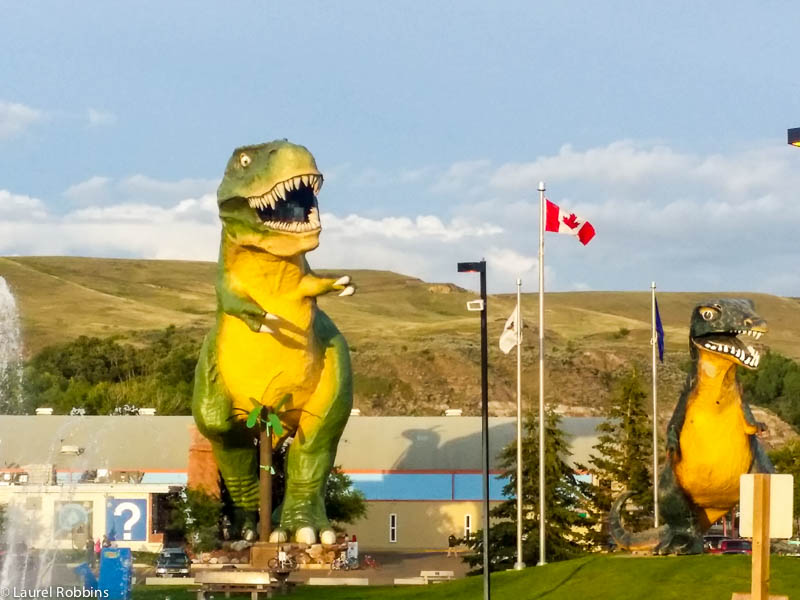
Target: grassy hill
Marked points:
597	577
415	347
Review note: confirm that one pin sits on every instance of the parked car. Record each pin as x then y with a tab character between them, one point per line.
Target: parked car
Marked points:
786	547
737	546
173	562
711	543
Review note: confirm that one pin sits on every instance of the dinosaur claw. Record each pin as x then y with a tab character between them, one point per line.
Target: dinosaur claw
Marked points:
327	536
305	535
264	329
278	536
348	291
271	317
342	281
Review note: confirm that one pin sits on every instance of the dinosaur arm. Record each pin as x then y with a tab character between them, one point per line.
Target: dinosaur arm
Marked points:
751	425
240	306
676	422
312	285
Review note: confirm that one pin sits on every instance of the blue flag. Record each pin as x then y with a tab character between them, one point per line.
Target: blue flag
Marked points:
659	335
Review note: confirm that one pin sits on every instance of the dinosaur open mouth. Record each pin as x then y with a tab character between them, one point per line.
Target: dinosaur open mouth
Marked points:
290	205
728	344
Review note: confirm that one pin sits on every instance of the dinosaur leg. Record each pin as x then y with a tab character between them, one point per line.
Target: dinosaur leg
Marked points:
313	451
676	511
231	442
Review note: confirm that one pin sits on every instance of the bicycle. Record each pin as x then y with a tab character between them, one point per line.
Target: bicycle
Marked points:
282	562
370	562
343	563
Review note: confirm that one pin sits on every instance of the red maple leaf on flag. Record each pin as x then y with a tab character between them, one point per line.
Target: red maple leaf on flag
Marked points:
571	221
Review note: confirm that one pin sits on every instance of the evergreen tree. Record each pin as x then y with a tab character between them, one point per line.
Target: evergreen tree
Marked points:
787	460
622	459
564	502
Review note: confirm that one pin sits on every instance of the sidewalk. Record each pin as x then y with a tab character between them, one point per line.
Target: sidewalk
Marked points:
393	565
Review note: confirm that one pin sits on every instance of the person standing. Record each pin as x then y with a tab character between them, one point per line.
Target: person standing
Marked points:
90	552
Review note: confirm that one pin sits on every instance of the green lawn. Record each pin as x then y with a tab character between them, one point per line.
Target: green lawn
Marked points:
595	578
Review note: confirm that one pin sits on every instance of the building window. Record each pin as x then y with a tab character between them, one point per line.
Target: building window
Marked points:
393	528
467	526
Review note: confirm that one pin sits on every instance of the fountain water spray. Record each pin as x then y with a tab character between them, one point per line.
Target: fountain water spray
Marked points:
10	353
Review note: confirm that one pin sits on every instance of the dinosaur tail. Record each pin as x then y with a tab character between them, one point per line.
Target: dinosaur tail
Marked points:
650	539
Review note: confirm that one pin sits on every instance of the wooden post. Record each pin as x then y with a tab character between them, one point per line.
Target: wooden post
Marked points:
759	586
265	486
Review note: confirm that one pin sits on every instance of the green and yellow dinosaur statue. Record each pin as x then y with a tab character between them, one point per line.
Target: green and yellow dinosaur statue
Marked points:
711	437
271	343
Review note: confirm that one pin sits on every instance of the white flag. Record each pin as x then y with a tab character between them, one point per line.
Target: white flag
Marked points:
508	339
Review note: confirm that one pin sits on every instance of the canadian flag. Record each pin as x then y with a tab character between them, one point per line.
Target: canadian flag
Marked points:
559	220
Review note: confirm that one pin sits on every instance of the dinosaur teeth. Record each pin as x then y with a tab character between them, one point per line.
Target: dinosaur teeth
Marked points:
313	217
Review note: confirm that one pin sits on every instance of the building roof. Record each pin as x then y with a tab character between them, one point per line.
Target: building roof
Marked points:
161	443
441	443
130	443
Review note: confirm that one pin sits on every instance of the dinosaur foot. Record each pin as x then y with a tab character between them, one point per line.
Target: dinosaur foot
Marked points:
307	535
249	535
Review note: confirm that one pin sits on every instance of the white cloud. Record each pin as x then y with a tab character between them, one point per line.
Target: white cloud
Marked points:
202	210
462	176
15	118
137	189
423	226
510	261
95	189
688	221
624	164
98	118
15	206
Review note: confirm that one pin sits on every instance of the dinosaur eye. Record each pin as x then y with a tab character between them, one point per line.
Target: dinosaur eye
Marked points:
708	314
244	160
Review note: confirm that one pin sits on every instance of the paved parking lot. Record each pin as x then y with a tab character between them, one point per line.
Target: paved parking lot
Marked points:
392	565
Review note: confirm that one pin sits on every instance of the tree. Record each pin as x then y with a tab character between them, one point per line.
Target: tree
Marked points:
774	385
787	460
103	375
343	503
198	515
622	459
564	502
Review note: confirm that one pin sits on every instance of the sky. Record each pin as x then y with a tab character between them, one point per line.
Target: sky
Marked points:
663	124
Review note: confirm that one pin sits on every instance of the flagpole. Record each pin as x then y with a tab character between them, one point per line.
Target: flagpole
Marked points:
654	344
520	564
542	517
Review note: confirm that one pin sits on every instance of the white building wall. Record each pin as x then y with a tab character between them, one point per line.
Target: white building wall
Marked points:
32	513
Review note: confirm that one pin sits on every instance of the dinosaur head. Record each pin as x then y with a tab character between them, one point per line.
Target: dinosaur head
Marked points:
268	198
718	325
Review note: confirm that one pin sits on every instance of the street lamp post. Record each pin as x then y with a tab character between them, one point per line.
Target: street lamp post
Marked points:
480	267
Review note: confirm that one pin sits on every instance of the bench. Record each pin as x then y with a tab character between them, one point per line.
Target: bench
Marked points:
436	576
409	581
240	582
338	581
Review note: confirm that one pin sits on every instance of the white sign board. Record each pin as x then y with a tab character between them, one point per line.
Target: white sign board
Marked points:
781	495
